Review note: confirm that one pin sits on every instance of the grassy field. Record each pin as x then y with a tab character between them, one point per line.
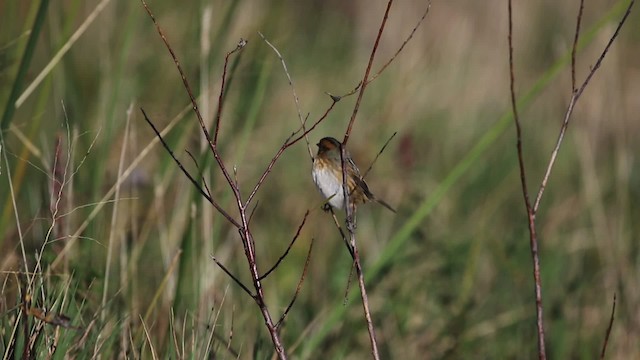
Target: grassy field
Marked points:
102	233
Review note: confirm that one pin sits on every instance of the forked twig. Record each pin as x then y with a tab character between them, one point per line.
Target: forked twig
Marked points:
533	209
204	181
574	99
293	90
366	73
187	174
350	211
533	237
246	236
287	143
384	67
211	141
406	41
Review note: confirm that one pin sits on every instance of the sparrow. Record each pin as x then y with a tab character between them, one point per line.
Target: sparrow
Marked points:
327	174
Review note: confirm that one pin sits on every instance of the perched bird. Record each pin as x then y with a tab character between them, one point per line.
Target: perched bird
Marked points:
327	174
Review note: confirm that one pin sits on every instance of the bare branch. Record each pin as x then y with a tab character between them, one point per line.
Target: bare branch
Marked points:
533	238
337	98
241	44
572	103
379	153
204	181
295	237
295	295
253	211
212	142
287	143
406	41
366	73
243	286
351	227
345	300
342	234
365	298
293	90
187	174
575	46
608	333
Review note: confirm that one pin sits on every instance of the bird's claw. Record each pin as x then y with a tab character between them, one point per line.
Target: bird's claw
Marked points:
351	224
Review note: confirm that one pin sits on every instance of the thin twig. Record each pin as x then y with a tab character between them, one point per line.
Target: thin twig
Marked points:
204	181
243	286
243	228
365	300
293	90
253	211
342	234
286	252
406	41
608	333
298	287
533	238
345	300
350	210
187	174
572	103
575	46
287	143
351	227
378	155
337	98
366	73
241	44
212	141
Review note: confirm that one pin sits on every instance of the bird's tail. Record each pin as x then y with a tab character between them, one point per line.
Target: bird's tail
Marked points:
384	203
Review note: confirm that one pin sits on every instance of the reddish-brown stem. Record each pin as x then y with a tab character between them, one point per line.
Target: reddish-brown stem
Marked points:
293	90
298	287
365	298
286	252
533	238
243	227
241	44
233	277
532	210
574	99
204	181
575	46
366	73
212	142
351	227
608	333
287	143
259	297
364	175
187	174
406	41
342	234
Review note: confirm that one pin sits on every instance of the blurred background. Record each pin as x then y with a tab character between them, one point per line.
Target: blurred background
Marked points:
449	276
